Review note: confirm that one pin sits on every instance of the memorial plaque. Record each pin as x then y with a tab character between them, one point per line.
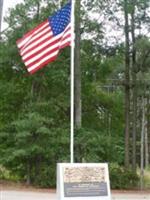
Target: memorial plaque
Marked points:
84	181
88	180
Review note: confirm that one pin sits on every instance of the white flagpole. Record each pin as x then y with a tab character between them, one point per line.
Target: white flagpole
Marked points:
72	84
59	4
1	14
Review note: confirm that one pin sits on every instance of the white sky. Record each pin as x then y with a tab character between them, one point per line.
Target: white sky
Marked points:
8	4
12	3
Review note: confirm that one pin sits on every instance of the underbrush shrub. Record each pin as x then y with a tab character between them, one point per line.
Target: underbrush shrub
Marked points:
122	178
5	174
2	173
46	178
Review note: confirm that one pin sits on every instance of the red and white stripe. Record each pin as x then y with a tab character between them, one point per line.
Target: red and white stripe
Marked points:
39	46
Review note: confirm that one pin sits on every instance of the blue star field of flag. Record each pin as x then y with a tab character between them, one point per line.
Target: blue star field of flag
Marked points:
60	19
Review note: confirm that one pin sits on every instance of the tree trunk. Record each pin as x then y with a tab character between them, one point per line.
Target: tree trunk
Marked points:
77	69
134	89
146	136
146	149
142	144
28	180
127	84
38	10
148	123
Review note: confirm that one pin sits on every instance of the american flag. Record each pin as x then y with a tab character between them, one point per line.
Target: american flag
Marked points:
41	45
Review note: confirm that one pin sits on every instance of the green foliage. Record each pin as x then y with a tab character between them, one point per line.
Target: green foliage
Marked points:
122	178
33	144
98	146
47	177
143	54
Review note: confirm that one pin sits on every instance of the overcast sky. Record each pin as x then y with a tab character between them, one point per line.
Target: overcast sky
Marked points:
12	3
8	4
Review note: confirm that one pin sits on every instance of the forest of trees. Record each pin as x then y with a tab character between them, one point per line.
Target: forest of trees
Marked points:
112	94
